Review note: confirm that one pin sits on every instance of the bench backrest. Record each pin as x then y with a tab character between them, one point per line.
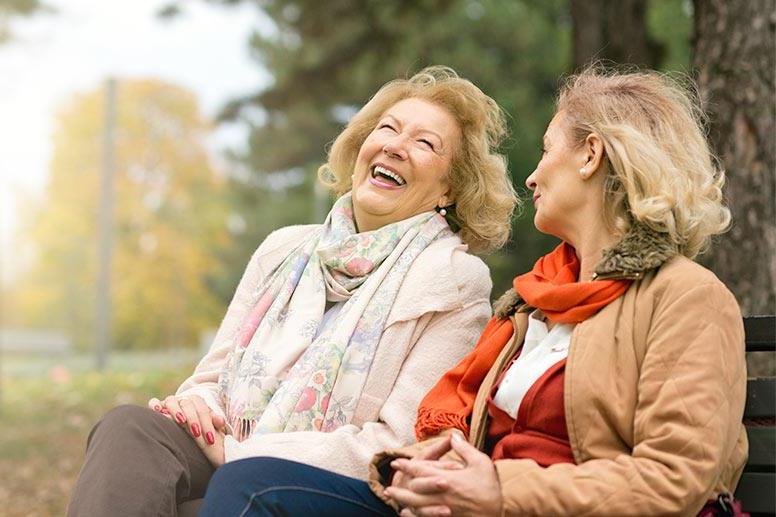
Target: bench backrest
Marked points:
757	488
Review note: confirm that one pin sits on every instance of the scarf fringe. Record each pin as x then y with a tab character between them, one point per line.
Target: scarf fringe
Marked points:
431	422
242	428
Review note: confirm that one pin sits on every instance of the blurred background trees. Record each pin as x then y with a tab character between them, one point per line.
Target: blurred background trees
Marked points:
184	232
169	216
11	8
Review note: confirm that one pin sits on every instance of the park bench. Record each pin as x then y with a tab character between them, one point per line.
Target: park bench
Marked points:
757	488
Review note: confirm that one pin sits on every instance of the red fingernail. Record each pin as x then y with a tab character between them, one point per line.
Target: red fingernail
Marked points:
180	417
210	438
195	430
165	411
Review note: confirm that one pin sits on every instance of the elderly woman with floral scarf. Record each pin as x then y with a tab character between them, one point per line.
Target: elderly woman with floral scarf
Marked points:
335	330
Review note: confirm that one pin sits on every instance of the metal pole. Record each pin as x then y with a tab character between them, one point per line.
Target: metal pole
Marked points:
105	228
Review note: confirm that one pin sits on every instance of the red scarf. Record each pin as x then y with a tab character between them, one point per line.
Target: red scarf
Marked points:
552	287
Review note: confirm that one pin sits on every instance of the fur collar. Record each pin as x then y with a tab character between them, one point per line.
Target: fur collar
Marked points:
640	250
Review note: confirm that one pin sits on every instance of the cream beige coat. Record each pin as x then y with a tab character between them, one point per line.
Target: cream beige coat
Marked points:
440	309
655	387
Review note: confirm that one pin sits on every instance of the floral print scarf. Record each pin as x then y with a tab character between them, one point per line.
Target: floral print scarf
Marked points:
285	375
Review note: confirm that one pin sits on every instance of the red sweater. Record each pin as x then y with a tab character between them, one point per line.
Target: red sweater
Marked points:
539	431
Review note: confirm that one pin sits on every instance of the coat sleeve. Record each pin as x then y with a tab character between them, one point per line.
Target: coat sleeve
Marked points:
688	417
381	473
447	337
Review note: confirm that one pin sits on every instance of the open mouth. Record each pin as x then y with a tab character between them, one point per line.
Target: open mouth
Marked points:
388	176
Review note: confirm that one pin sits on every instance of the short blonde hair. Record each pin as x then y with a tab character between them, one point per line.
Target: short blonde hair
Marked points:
660	169
479	180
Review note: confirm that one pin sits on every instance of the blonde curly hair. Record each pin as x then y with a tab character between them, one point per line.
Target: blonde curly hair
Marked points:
479	180
660	169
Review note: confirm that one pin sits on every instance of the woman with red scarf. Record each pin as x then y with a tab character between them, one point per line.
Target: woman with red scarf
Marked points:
611	379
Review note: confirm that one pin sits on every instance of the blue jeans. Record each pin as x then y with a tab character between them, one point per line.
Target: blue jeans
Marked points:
272	486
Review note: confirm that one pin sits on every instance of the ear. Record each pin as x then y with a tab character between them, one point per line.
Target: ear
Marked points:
593	154
447	198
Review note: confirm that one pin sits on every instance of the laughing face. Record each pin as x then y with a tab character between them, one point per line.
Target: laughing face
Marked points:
402	166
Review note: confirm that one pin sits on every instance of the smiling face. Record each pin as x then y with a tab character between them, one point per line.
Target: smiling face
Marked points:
564	197
402	166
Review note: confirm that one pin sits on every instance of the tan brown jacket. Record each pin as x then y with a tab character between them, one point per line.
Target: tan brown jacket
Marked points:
655	387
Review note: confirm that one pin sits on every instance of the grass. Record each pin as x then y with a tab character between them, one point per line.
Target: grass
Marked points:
47	409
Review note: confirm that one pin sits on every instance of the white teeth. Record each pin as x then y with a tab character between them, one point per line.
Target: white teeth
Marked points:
390	174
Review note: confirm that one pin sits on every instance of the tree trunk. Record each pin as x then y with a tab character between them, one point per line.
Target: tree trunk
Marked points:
612	30
735	61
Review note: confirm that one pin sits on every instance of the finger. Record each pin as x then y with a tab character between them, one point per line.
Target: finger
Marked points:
437	464
193	426
417	468
433	511
435	451
467	451
171	403
450	465
428	485
219	422
155	404
406	512
208	431
409	498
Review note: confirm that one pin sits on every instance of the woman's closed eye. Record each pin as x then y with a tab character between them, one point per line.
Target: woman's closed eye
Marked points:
427	143
386	126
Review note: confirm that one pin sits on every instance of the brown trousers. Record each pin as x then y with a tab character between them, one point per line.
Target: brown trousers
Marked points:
139	463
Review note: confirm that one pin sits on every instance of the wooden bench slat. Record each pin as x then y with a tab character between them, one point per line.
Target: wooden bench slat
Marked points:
762	448
760	397
756	492
760	333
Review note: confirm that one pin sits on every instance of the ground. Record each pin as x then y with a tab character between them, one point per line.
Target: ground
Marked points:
48	406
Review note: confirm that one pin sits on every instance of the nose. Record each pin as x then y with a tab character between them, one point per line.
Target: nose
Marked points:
530	181
395	148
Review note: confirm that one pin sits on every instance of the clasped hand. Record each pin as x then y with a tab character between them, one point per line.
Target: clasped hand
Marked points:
193	415
428	486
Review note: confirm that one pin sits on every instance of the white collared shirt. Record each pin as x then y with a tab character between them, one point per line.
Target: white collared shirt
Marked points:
541	350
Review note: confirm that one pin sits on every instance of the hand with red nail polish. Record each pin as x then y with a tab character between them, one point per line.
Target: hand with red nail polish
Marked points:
194	416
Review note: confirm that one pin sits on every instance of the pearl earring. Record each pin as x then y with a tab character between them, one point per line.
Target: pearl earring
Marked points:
583	171
443	212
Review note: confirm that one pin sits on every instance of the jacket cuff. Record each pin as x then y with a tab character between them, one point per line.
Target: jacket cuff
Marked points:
381	473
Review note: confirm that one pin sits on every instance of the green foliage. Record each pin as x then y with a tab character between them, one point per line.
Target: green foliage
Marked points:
670	22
